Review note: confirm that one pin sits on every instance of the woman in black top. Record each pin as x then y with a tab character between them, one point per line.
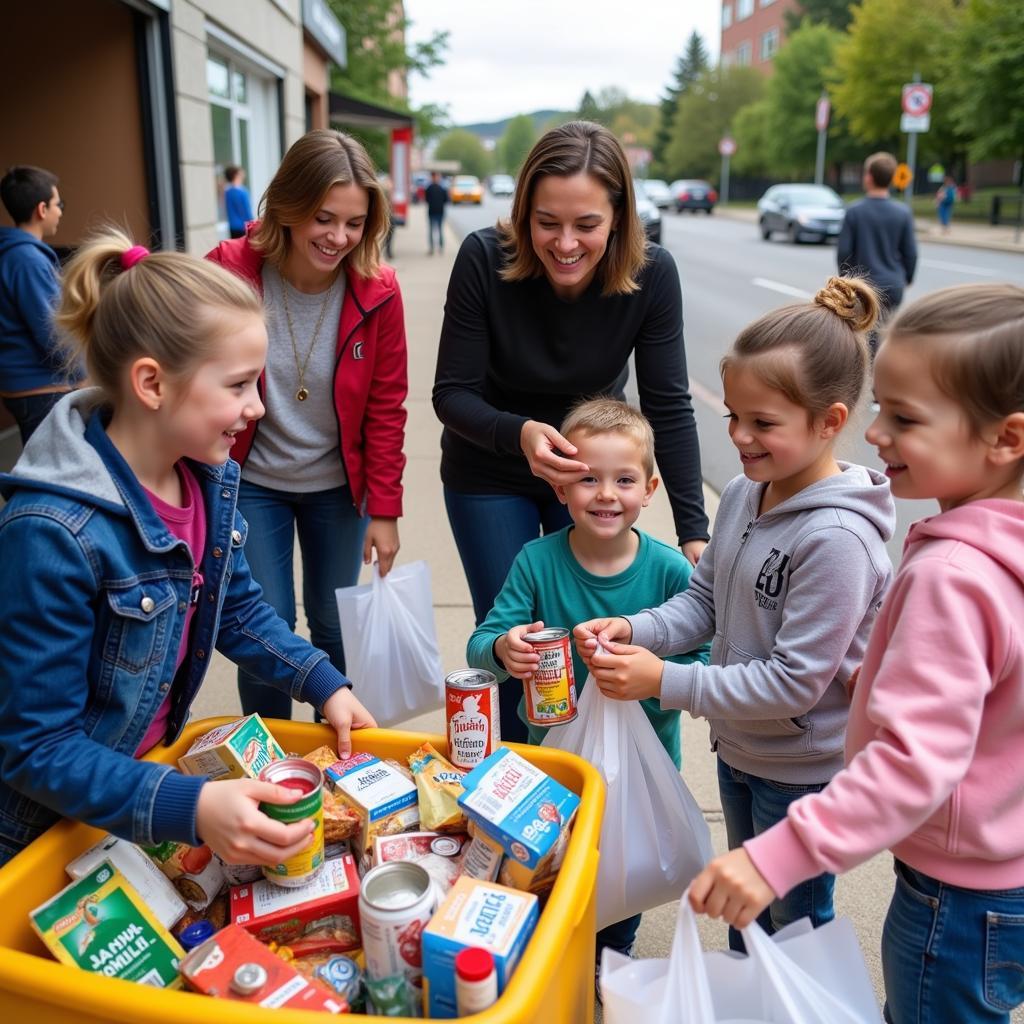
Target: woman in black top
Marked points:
542	310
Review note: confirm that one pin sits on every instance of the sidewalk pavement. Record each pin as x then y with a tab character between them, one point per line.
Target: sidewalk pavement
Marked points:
973	234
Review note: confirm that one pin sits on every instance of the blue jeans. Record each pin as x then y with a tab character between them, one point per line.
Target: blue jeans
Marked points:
331	535
30	410
435	225
490	530
751	805
951	954
620	936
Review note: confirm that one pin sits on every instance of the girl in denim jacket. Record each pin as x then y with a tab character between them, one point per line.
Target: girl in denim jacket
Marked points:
122	566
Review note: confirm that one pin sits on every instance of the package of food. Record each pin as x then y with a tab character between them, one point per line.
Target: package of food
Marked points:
234	965
524	810
439	785
440	854
341	822
381	794
482	858
194	870
494	917
324	911
101	924
149	881
239	874
238	750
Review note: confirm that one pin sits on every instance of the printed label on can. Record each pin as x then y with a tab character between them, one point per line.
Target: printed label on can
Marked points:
295	773
551	693
471	706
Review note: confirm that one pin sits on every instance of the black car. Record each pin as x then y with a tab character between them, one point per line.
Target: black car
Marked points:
693	194
800	212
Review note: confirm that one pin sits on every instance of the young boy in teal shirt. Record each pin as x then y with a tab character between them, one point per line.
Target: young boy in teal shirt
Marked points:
597	564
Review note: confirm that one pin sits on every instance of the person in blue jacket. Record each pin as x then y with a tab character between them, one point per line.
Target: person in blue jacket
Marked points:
237	203
122	567
32	374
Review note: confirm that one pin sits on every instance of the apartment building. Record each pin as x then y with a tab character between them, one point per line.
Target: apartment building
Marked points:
752	31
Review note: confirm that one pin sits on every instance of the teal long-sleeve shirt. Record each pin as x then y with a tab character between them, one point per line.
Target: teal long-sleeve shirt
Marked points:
547	583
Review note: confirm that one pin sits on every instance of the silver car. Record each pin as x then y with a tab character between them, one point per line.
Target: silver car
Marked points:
658	192
800	212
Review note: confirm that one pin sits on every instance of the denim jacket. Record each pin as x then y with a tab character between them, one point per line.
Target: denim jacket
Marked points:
93	595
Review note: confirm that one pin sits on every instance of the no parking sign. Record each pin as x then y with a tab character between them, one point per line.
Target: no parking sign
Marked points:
916	103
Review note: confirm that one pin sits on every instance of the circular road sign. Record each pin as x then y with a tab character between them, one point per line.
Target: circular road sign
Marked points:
726	146
821	113
917	98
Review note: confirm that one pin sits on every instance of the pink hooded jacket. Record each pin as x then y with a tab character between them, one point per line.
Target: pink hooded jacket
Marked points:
935	740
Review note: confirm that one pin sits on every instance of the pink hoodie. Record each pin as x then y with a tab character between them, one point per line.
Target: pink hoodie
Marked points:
935	741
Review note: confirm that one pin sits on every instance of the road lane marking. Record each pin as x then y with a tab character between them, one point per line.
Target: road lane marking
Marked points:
708	397
778	286
961	268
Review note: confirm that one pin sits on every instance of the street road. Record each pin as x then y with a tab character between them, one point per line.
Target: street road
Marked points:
730	277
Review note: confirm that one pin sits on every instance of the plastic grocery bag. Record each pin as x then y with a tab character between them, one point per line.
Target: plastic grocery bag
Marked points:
653	837
391	652
801	975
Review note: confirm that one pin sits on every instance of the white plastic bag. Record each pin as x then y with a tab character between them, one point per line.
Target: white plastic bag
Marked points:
391	652
653	837
801	975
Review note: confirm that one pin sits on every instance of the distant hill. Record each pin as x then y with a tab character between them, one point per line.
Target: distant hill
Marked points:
495	129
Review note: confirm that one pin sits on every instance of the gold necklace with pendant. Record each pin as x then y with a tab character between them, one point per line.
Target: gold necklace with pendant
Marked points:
300	368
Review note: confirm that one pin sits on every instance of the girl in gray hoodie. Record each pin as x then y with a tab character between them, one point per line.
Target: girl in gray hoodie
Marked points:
787	589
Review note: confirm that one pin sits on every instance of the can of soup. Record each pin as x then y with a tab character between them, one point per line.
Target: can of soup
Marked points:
296	773
551	692
471	710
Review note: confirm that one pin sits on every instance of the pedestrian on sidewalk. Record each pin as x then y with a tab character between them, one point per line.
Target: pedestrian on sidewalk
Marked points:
326	461
788	588
933	750
237	203
546	307
877	239
122	567
945	199
32	374
436	197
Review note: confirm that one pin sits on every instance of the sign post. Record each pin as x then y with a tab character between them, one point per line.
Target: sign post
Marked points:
916	104
821	117
726	147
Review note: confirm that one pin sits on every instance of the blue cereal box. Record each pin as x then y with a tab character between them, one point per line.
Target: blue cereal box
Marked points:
475	913
524	810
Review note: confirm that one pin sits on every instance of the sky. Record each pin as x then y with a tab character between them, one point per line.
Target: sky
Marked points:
508	57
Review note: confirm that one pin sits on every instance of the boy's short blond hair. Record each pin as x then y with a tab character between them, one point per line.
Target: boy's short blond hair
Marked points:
610	416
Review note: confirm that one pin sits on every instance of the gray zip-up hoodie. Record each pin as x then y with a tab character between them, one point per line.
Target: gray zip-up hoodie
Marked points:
788	599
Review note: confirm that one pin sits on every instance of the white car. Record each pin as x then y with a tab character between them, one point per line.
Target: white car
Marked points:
658	192
502	185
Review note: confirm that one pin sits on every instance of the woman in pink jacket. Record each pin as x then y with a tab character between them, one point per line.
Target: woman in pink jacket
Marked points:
935	755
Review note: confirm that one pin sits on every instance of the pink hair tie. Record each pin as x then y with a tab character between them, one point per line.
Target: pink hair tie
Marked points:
132	256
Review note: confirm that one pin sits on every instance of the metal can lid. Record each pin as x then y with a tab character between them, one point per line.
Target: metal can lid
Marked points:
395	885
292	768
339	972
249	979
552	633
196	934
445	846
470	679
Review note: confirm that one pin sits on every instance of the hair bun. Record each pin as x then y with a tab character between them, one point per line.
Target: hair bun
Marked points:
851	299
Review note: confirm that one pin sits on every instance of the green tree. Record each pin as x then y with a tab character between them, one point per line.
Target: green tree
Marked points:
705	113
589	110
516	143
689	66
835	13
467	149
753	140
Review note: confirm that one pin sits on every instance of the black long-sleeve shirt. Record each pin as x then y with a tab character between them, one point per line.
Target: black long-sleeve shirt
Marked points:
877	241
514	351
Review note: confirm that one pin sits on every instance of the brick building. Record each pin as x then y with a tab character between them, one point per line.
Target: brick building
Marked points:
752	31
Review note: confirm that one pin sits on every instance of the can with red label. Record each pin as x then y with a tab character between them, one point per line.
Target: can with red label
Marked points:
304	776
471	710
396	902
551	692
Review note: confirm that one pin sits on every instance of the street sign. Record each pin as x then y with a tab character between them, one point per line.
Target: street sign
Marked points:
901	177
916	99
915	122
726	146
821	114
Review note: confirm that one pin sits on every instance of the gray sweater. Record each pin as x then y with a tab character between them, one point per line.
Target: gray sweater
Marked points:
787	599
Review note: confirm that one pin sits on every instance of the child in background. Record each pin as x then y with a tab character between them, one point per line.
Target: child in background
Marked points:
599	562
122	566
934	755
789	585
237	203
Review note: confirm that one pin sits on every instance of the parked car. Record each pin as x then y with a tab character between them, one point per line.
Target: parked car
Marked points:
658	192
502	185
800	211
693	194
420	180
466	188
649	214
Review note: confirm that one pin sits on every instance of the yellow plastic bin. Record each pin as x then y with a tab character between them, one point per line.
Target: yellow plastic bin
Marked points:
553	983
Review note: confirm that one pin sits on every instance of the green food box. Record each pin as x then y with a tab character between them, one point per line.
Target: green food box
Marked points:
238	750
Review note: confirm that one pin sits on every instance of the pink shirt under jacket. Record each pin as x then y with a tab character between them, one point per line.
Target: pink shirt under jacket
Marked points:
935	741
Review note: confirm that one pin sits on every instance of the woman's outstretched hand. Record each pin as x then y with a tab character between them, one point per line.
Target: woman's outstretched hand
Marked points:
546	450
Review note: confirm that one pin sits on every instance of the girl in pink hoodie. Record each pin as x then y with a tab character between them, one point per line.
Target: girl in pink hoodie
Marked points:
935	741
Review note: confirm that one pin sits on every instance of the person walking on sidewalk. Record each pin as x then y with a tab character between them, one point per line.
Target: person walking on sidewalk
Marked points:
32	374
945	199
877	239
327	459
436	197
237	203
546	307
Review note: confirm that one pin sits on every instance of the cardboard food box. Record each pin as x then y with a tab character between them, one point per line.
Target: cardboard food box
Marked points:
474	913
238	750
325	910
384	797
526	812
196	873
214	969
101	924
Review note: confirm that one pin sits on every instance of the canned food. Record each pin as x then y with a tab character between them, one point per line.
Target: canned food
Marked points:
551	692
295	773
471	710
344	976
396	902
